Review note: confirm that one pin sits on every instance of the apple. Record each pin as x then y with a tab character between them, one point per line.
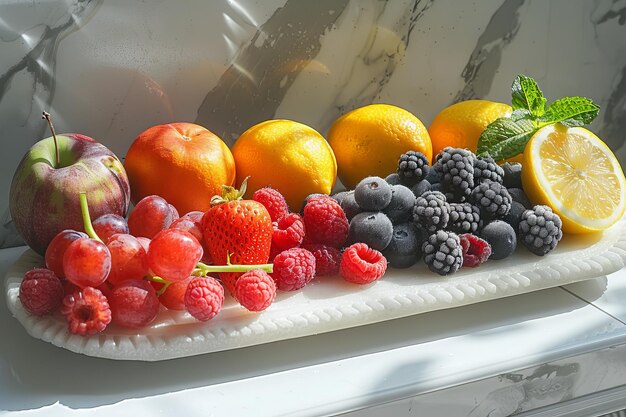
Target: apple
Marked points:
44	194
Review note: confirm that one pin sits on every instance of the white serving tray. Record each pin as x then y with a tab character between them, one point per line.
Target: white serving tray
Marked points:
329	303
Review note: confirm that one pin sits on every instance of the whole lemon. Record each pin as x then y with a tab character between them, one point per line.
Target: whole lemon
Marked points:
289	156
369	140
461	124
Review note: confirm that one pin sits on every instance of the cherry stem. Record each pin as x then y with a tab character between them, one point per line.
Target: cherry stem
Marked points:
84	210
48	118
160	280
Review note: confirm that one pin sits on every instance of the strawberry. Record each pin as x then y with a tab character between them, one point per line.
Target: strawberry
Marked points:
236	231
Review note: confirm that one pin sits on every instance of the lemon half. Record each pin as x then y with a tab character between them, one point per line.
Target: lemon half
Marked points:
577	175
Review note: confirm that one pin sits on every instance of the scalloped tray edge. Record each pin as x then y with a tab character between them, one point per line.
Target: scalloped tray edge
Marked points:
177	335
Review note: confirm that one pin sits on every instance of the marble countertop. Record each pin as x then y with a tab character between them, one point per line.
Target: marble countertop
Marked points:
451	362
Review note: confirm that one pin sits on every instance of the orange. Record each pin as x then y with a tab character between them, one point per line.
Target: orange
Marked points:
184	163
289	156
461	124
576	174
368	141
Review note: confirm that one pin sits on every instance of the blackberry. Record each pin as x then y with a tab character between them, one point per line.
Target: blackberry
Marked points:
393	179
493	200
349	205
540	229
431	211
372	194
421	187
400	209
457	168
512	175
413	167
442	252
486	169
464	218
501	237
517	194
372	228
404	249
515	215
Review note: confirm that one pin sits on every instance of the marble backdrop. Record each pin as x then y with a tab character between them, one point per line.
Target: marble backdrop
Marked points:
110	69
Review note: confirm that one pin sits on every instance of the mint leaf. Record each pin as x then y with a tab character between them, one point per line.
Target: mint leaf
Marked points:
528	96
504	138
570	111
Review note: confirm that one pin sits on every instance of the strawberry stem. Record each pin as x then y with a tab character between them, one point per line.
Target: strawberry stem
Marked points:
84	211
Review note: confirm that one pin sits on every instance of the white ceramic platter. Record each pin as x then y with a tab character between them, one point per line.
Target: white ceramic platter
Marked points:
330	303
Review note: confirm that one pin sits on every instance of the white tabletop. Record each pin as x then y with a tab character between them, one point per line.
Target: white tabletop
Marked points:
325	374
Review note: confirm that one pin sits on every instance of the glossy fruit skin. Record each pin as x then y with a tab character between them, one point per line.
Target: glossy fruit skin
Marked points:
367	141
242	228
87	262
184	163
56	249
461	124
44	198
173	254
291	157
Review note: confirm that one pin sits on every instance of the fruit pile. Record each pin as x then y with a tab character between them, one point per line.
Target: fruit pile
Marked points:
463	210
459	209
122	271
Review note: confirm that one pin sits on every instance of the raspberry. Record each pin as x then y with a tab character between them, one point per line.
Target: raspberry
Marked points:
361	264
255	290
87	311
327	258
293	269
273	201
475	250
288	232
325	222
204	298
41	292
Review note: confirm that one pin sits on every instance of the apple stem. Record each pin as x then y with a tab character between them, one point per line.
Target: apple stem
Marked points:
48	118
84	210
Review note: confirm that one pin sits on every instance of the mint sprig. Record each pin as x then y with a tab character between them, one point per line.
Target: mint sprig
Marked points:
507	137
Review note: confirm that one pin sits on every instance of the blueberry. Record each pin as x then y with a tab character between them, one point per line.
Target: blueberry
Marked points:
515	215
400	209
339	196
517	194
404	249
349	205
512	175
372	194
372	228
421	187
434	176
502	238
393	179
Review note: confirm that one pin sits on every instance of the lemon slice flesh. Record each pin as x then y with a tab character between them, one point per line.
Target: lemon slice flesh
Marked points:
574	172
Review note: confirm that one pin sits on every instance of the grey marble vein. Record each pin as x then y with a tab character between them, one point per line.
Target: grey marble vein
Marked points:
252	88
372	85
38	63
612	123
485	59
